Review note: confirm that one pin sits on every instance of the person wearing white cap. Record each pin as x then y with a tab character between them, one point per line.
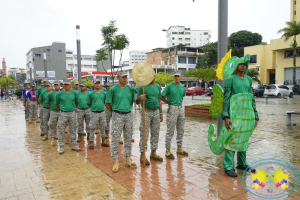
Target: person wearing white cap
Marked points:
38	93
67	101
96	100
173	95
119	100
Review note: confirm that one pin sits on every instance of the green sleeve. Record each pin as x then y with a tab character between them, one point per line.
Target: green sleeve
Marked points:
166	91
253	100
57	100
139	91
41	98
183	91
88	100
108	98
37	92
159	94
227	96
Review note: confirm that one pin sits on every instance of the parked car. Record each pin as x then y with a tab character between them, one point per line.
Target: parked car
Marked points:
295	88
195	91
209	91
258	90
278	91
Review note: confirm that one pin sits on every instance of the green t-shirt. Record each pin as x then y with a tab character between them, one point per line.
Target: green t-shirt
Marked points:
96	100
40	90
67	102
153	93
174	94
51	98
235	85
82	98
120	99
43	97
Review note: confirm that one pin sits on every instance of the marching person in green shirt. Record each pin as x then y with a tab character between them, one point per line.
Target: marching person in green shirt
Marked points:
67	101
83	111
38	93
173	95
45	109
96	100
75	86
54	113
119	101
153	117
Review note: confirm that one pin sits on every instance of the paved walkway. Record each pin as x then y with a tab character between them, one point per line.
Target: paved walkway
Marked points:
32	169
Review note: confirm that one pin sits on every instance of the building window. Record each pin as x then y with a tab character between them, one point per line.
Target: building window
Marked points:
173	44
59	50
295	2
37	55
294	12
187	33
288	54
181	59
253	59
187	39
173	38
192	60
48	50
205	33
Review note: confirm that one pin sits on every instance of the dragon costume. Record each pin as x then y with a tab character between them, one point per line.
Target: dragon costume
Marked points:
237	103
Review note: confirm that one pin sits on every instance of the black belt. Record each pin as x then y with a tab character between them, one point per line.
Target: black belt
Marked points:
55	110
46	108
97	111
67	111
121	112
83	108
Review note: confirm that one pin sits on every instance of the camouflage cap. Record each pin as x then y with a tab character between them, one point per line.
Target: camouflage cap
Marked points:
177	73
44	80
66	81
97	80
48	84
109	83
122	73
82	84
56	82
75	83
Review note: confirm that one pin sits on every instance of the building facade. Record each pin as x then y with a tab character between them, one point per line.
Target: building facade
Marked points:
4	72
180	35
275	60
137	56
55	62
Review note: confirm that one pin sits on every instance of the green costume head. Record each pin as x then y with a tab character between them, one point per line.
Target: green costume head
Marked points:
243	60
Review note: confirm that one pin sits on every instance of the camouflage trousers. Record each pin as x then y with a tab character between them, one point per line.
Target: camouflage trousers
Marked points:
83	115
46	117
108	115
152	125
65	119
33	107
41	116
96	119
175	118
122	122
54	116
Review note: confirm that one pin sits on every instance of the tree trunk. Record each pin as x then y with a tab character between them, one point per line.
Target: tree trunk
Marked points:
294	61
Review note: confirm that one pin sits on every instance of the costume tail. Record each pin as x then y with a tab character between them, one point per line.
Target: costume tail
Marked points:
216	143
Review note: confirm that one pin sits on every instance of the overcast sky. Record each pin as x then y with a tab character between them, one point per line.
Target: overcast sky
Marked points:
32	23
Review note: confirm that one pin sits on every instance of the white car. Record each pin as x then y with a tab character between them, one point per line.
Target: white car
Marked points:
278	91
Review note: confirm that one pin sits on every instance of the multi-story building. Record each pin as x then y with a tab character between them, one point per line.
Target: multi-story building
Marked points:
137	56
274	61
170	59
12	71
179	35
55	62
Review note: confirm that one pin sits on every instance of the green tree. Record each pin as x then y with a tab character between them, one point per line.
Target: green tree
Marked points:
163	78
12	77
254	75
205	75
21	77
112	43
291	31
238	40
210	56
7	81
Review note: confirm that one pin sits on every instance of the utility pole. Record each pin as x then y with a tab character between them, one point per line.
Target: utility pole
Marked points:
30	68
222	40
45	66
78	53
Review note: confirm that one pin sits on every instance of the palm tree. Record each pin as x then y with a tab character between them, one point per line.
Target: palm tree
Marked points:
292	30
254	75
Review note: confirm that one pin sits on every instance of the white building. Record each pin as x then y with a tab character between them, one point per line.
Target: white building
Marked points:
137	56
88	62
179	35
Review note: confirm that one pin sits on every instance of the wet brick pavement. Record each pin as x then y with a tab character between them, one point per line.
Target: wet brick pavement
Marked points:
32	169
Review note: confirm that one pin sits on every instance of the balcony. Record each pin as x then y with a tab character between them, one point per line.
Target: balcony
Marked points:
163	66
188	53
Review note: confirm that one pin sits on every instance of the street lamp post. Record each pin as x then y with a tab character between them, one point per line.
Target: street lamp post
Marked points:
45	66
175	68
78	53
30	71
222	40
